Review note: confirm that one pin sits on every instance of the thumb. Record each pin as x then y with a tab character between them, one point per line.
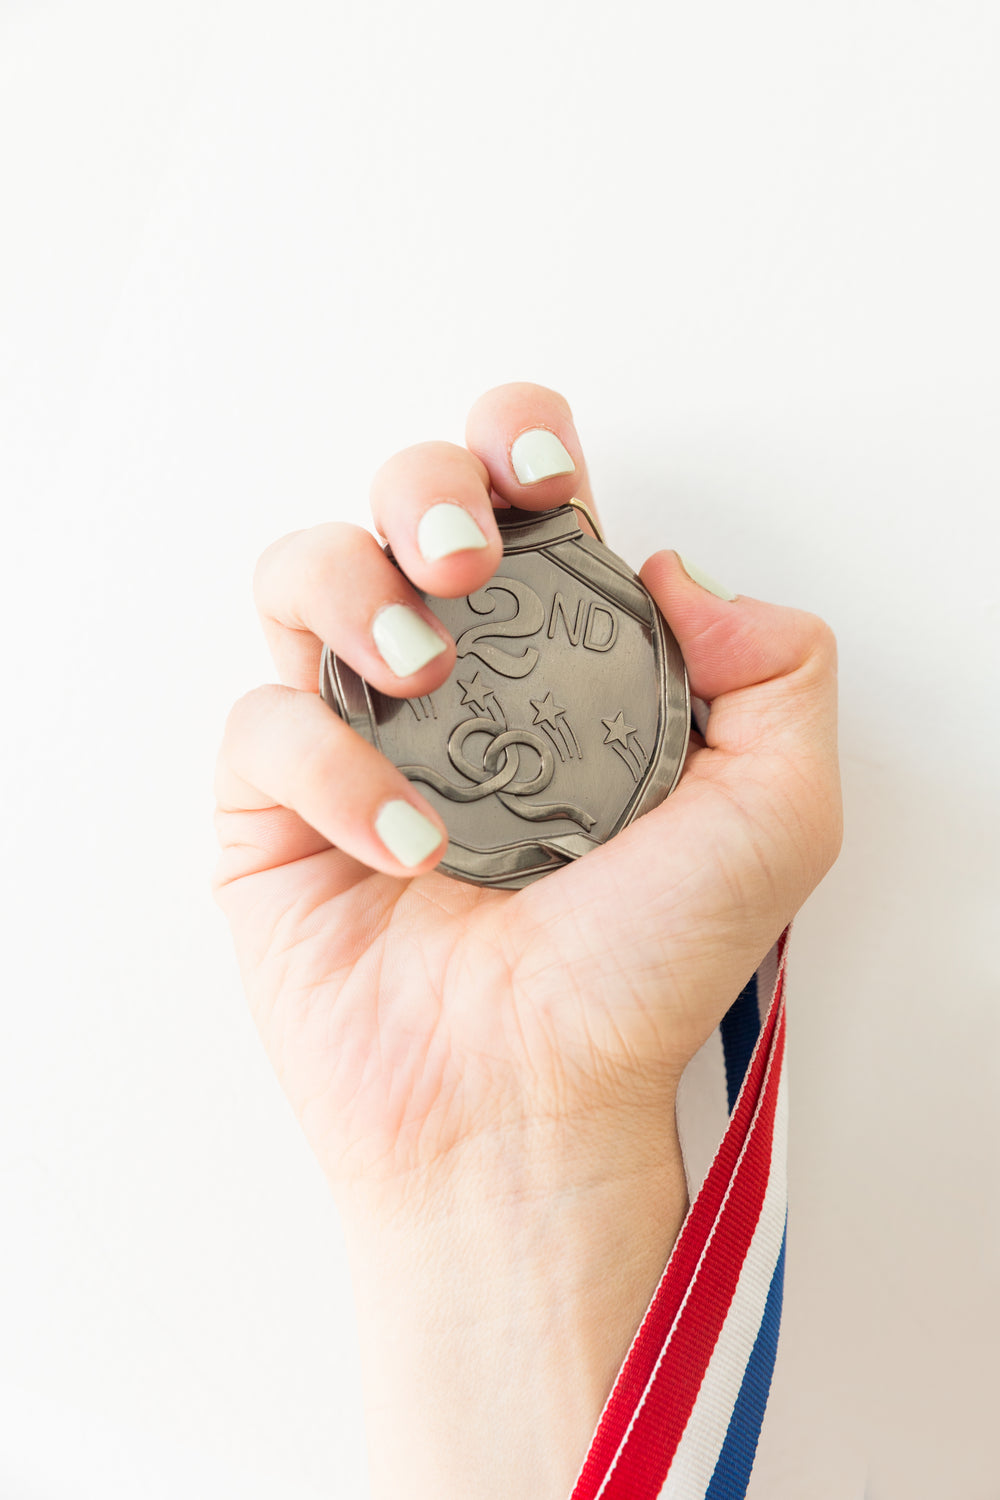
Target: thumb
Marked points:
769	675
692	894
768	672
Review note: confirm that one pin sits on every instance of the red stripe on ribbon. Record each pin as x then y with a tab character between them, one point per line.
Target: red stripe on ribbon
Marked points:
649	1448
666	1364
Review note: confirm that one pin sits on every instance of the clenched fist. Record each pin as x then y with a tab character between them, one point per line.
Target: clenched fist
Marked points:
488	1077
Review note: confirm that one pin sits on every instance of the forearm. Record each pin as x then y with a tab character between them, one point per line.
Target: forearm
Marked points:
495	1316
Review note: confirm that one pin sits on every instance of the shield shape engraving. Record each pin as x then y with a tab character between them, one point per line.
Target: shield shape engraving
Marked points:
566	715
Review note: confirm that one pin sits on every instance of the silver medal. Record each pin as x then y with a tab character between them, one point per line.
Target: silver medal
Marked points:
566	715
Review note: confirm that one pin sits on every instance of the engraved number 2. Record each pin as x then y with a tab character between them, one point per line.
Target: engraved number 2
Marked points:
528	617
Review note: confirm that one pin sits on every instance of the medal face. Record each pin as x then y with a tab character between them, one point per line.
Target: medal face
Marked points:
566	715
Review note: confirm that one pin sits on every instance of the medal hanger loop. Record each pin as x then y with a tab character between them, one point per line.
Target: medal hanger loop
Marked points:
579	505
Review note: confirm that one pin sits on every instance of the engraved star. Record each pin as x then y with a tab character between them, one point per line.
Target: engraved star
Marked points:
546	710
618	729
475	691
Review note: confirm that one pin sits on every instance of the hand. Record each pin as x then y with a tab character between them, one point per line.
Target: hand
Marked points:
489	1076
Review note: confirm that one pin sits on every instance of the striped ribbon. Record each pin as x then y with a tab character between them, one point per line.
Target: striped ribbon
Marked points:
684	1417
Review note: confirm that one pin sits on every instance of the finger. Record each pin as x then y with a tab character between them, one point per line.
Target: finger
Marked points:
334	583
286	750
432	503
525	436
768	672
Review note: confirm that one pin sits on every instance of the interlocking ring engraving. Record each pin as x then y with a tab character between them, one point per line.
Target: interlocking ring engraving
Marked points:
502	781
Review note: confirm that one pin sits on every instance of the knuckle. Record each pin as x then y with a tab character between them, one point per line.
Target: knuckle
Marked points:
323	759
305	559
337	554
421	469
419	457
249	711
316	762
267	564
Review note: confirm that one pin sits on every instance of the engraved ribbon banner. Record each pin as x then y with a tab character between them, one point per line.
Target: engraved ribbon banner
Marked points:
685	1414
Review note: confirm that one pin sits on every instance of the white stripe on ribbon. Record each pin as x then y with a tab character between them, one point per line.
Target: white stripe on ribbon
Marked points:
699	1448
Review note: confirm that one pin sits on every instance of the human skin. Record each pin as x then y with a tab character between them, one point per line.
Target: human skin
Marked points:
488	1078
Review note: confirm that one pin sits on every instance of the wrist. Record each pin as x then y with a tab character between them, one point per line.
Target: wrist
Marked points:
498	1297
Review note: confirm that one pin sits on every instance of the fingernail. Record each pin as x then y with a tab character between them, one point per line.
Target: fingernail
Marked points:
447	528
406	833
404	639
538	454
705	580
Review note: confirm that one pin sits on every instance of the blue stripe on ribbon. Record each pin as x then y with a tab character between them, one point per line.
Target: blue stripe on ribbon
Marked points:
740	1029
732	1471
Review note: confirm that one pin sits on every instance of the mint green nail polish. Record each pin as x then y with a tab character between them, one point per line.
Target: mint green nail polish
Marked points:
406	833
538	454
706	581
404	640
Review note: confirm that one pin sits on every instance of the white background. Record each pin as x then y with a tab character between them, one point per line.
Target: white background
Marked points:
247	251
